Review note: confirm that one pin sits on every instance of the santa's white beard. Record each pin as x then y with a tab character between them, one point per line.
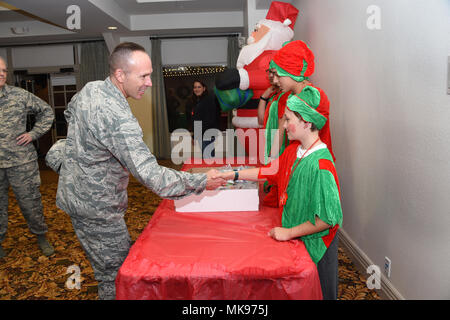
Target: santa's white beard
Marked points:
273	40
251	51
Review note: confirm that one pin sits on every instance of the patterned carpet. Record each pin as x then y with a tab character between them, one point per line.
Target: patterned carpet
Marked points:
25	274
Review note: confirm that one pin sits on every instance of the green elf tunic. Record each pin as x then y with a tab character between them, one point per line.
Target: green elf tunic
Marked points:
312	190
274	112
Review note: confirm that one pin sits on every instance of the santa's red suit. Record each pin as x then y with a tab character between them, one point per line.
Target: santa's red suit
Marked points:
258	79
269	36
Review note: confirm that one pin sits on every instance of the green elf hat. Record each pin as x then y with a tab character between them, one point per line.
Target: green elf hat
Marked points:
306	103
295	59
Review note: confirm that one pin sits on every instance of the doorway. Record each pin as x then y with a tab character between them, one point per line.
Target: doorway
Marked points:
37	84
57	89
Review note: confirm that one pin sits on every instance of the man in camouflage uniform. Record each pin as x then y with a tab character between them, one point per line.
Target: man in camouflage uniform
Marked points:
18	157
104	144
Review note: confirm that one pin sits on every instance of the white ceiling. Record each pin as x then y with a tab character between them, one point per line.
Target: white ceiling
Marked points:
37	21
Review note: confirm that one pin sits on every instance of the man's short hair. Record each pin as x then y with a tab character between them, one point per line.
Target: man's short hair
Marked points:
121	54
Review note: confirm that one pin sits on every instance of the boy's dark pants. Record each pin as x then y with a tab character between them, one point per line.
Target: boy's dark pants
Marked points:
328	271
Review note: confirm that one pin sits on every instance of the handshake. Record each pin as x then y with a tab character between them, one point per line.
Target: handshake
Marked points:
217	179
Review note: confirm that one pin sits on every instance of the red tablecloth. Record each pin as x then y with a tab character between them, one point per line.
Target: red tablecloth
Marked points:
216	255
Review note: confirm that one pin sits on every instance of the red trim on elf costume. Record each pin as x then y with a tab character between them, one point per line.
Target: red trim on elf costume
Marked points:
324	109
325	164
330	236
281	179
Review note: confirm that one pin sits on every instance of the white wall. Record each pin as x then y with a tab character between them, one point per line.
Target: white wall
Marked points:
42	56
3	54
389	122
194	51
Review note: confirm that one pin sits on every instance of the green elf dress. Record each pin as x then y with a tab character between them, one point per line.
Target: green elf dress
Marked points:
274	112
307	180
312	191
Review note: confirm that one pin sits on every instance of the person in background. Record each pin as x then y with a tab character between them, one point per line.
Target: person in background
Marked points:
104	145
206	110
18	157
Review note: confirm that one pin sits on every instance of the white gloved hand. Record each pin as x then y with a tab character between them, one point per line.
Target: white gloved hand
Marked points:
246	122
245	81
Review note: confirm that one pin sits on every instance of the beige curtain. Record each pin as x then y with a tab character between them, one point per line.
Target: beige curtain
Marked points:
232	56
161	136
233	51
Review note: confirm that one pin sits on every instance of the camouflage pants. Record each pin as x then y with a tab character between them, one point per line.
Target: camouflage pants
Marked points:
106	246
25	182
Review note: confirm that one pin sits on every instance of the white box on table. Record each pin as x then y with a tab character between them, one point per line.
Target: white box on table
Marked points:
239	197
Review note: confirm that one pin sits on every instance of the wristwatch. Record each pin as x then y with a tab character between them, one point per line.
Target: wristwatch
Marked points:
236	175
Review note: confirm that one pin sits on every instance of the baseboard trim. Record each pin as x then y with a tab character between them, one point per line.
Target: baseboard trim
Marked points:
362	261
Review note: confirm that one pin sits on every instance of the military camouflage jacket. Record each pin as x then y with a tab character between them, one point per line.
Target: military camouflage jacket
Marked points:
104	143
15	104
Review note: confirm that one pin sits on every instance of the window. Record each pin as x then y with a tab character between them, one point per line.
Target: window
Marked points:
63	89
178	81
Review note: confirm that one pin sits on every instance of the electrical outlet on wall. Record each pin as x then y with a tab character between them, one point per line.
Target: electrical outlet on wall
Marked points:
387	267
448	75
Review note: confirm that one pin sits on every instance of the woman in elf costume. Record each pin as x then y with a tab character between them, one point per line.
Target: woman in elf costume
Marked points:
293	64
290	68
309	188
269	117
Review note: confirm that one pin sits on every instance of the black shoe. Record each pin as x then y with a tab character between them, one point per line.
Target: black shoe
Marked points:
45	246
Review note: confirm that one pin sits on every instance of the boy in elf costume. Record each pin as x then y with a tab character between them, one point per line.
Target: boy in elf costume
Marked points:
307	180
291	66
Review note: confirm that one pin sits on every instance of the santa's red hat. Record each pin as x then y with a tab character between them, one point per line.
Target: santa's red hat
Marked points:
283	12
280	20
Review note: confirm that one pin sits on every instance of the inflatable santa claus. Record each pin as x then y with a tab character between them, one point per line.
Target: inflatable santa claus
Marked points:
240	88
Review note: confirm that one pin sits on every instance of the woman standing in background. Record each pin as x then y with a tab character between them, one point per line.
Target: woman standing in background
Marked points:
205	109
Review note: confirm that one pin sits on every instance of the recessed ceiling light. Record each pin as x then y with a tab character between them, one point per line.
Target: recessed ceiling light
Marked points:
20	30
112	28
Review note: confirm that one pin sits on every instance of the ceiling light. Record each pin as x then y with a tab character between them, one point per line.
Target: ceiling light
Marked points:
147	1
20	30
112	28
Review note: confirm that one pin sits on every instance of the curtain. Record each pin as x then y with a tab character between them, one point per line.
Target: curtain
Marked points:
232	56
161	136
233	51
94	63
